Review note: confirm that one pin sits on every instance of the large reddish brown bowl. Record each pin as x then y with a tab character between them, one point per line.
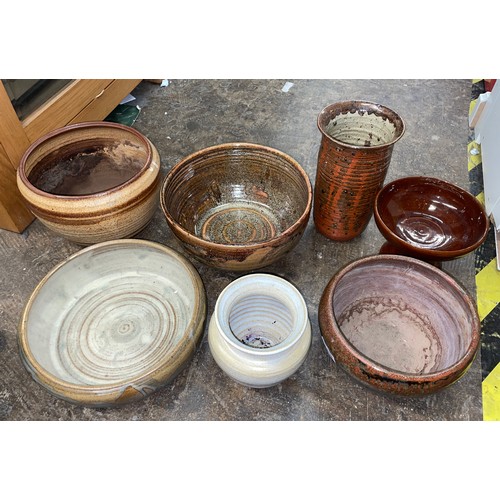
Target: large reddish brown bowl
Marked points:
237	206
429	218
399	325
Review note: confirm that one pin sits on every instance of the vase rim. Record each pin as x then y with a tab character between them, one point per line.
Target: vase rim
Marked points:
344	107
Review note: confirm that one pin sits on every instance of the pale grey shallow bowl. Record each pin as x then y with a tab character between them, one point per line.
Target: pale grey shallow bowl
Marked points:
113	322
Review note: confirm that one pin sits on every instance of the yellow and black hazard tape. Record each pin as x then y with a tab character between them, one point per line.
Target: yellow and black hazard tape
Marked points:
487	285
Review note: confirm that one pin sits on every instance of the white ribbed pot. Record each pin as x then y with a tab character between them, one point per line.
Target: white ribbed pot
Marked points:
259	333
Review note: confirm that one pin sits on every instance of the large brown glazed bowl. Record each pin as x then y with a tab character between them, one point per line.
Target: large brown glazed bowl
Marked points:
113	323
429	219
399	325
91	182
237	206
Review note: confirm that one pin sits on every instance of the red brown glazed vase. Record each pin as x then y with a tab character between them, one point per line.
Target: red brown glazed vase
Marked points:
355	152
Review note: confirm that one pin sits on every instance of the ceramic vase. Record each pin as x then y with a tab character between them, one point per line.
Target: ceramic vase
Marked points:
357	140
259	333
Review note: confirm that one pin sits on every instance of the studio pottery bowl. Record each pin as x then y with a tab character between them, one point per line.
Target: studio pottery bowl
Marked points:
429	219
91	182
237	206
399	325
113	322
259	333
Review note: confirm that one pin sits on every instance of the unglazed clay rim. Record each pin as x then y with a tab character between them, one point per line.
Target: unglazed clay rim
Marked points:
389	373
58	384
228	146
293	337
69	128
347	104
437	254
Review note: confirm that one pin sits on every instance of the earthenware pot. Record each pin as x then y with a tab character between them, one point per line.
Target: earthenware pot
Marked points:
113	323
91	182
429	219
357	139
259	333
237	206
399	325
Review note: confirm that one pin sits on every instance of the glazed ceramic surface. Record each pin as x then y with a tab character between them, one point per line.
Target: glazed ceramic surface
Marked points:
259	333
113	322
237	206
429	218
91	182
357	139
399	324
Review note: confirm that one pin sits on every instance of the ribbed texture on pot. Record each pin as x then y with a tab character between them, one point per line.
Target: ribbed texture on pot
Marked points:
87	217
353	160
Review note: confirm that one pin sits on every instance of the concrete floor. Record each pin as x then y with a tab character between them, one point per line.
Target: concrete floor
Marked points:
189	115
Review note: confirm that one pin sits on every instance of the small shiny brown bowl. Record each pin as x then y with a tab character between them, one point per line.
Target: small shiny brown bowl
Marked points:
91	182
429	219
399	325
237	206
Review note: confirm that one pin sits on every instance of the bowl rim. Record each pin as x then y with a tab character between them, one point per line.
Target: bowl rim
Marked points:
70	128
437	254
304	216
392	375
360	102
57	384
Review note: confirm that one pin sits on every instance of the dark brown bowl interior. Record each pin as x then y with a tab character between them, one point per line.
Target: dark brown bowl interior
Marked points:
85	159
430	217
236	194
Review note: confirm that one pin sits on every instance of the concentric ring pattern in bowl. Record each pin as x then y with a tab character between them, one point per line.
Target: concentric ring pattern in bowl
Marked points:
113	323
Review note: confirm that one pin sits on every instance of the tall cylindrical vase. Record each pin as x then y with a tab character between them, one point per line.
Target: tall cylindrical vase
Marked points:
356	148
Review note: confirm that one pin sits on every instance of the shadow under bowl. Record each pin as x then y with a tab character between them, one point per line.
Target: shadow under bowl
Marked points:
237	206
399	325
430	219
91	182
113	323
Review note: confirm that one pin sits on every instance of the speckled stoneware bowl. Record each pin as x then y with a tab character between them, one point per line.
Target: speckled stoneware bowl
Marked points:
91	182
237	206
259	333
429	219
399	324
113	322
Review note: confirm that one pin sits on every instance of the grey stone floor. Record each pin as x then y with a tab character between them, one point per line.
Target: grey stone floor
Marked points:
189	115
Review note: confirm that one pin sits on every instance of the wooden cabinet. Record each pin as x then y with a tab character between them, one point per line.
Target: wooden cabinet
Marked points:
79	101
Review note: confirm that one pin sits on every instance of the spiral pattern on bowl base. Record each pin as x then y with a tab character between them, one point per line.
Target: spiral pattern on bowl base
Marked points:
424	231
237	223
113	333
